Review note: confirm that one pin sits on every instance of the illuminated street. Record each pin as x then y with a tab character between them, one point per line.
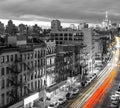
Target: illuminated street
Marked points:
104	79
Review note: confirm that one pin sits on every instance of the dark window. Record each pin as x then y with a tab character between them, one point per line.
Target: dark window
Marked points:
28	56
15	56
7	83
7	70
32	85
2	71
11	57
3	99
3	84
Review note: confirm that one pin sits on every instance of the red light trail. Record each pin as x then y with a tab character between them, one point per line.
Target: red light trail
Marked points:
96	97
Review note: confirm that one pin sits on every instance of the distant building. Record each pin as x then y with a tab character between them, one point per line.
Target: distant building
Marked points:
68	36
22	29
2	29
11	29
56	25
106	24
82	25
73	27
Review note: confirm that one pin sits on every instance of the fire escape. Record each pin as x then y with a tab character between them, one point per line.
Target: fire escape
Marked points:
14	78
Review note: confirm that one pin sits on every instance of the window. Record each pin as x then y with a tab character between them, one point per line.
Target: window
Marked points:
35	63
35	54
15	56
2	71
3	99
20	78
39	54
28	56
25	56
11	58
38	84
35	84
7	83
32	85
31	55
2	59
25	67
32	76
3	84
21	56
7	97
7	58
32	64
7	70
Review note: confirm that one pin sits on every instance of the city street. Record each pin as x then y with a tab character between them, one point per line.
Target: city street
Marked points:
88	92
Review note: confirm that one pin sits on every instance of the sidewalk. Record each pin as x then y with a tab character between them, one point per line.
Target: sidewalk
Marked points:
41	104
61	94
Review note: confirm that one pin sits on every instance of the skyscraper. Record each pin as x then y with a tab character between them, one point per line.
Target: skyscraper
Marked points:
106	22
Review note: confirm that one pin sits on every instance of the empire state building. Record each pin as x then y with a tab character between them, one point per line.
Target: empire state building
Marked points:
106	24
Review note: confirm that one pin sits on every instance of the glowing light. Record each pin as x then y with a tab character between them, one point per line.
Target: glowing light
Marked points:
94	100
31	98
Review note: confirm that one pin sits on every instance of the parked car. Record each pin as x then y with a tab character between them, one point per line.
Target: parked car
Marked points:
69	95
48	98
75	91
89	81
115	102
114	105
114	97
62	100
117	93
53	105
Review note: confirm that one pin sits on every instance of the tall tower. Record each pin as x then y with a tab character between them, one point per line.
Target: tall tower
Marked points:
106	22
106	16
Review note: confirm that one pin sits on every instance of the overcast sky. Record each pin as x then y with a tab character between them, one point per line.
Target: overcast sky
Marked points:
71	11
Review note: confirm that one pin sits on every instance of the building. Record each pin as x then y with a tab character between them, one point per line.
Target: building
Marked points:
56	25
62	37
11	29
2	29
89	41
22	29
106	24
22	74
50	63
82	25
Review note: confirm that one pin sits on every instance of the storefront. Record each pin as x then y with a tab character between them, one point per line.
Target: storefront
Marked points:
18	105
29	101
55	89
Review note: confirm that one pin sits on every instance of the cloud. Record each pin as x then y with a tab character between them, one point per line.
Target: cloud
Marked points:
72	11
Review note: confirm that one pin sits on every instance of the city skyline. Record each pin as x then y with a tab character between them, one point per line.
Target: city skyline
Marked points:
68	11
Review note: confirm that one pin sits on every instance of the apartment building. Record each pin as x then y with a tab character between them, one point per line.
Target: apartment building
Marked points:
22	74
50	62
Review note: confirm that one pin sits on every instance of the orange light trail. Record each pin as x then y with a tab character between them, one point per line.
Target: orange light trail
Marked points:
96	97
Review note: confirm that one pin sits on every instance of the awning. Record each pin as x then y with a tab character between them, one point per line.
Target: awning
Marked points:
56	86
